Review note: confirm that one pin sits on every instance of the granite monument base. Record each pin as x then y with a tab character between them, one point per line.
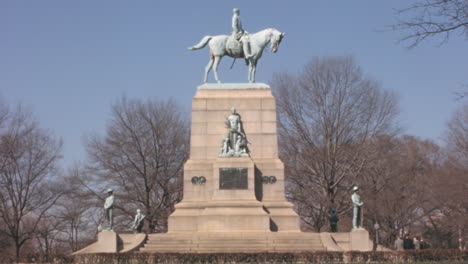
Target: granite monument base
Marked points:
112	242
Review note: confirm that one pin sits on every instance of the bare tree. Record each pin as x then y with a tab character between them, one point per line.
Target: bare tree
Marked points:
141	157
450	185
457	137
75	211
396	184
447	227
75	225
47	234
413	185
326	116
28	164
431	18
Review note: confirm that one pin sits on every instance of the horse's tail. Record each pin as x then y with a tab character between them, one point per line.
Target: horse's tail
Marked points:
201	44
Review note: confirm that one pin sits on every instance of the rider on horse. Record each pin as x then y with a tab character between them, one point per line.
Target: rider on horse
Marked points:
239	34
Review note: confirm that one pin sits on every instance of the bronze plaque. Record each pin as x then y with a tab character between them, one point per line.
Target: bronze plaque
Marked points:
233	179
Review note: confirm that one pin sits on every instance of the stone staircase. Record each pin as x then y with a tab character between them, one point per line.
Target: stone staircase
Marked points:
230	242
130	242
297	242
233	242
171	242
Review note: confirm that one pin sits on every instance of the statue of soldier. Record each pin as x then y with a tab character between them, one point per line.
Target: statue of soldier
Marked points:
235	127
138	222
108	207
357	208
240	34
333	218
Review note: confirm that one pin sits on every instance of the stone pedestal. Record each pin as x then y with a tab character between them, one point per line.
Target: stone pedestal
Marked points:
107	242
221	204
111	242
359	240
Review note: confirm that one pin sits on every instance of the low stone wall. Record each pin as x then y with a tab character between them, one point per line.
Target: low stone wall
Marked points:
306	257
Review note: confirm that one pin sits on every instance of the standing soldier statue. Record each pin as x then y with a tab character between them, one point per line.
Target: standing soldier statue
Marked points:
108	207
357	208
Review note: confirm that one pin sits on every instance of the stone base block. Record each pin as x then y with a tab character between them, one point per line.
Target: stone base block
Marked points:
229	218
106	243
283	216
184	219
111	242
356	240
359	240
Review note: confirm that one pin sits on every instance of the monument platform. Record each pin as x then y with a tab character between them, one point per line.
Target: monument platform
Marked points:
112	242
240	205
234	199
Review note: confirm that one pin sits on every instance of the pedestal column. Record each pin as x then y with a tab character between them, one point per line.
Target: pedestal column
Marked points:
209	207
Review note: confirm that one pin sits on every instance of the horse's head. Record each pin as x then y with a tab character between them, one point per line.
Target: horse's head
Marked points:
275	39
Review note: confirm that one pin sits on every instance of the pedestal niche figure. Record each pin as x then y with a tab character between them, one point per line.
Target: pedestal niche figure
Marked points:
235	127
138	222
108	207
357	209
235	143
240	147
226	150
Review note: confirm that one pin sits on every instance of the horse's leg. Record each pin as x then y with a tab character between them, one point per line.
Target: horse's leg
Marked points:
216	64
249	77
254	70
208	68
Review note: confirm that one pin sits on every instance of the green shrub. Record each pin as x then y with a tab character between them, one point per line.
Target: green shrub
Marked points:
425	256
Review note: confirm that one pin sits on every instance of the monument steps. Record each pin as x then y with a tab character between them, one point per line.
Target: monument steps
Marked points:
234	242
302	247
169	240
168	248
231	242
167	243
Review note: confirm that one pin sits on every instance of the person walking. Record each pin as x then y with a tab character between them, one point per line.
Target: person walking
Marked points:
416	243
407	242
398	245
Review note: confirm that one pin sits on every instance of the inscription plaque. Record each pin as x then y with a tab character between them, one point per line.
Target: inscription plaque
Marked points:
233	178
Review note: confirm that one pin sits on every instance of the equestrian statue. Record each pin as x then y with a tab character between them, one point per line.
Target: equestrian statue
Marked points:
239	44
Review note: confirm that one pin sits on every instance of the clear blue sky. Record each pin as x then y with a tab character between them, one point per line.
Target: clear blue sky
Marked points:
69	60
